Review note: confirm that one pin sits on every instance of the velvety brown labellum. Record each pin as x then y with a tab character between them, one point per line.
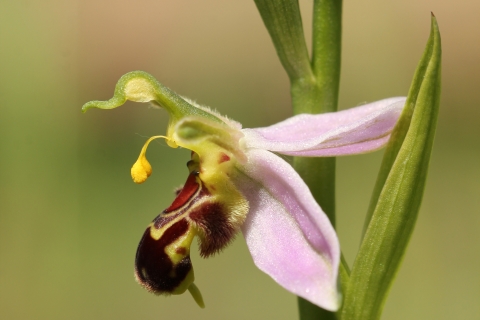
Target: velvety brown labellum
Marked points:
153	267
211	218
193	210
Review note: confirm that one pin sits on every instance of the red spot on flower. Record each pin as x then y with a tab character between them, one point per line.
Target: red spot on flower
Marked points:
223	157
181	250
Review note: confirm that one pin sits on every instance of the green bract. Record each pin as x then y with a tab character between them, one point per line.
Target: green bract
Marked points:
398	193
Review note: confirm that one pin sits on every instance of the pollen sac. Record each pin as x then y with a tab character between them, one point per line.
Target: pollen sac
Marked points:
141	170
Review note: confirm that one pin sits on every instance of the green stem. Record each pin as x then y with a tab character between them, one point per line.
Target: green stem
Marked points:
314	88
319	175
327	46
319	94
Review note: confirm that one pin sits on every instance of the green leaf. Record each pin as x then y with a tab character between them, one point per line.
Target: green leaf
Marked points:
284	24
398	193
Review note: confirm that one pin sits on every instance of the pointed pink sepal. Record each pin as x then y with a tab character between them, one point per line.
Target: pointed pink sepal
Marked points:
356	130
287	233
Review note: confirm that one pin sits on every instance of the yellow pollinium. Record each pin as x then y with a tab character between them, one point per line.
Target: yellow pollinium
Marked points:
142	169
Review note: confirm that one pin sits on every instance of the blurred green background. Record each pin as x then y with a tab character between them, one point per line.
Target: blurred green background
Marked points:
70	216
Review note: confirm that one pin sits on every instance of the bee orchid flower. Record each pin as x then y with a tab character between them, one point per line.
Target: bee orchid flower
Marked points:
237	182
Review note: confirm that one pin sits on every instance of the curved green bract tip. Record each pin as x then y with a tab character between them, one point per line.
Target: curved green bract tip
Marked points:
197	296
398	193
140	86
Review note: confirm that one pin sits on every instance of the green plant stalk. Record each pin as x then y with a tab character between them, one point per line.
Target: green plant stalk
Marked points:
314	88
320	96
398	194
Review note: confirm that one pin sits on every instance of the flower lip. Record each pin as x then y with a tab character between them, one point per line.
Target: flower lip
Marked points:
154	268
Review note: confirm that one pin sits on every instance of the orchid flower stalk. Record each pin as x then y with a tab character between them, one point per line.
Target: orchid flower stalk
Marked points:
314	86
237	182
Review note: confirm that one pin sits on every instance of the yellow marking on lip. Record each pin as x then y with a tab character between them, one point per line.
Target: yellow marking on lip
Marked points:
187	282
183	241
